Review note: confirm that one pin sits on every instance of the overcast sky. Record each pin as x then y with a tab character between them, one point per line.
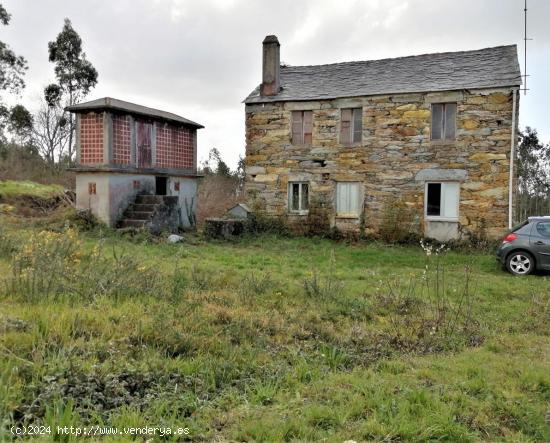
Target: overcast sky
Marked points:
201	58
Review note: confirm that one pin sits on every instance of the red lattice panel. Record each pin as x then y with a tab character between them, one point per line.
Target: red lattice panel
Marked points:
121	140
91	138
175	147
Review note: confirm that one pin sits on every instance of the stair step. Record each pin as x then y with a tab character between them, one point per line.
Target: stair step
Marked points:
149	199
143	207
139	215
131	223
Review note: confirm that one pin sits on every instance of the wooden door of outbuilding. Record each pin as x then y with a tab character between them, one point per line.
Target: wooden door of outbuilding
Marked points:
143	144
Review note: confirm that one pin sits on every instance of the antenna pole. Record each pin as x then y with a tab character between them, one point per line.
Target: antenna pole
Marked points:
525	39
525	50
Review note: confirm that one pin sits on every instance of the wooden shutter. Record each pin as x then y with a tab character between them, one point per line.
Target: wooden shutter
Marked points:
345	126
305	197
308	127
357	125
143	142
450	199
297	128
450	121
347	198
437	121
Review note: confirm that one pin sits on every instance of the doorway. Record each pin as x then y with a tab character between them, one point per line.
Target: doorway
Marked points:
161	185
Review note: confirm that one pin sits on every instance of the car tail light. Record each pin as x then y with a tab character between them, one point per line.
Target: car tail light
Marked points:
509	238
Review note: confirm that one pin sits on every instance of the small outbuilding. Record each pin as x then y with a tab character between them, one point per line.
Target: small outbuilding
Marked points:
240	211
135	163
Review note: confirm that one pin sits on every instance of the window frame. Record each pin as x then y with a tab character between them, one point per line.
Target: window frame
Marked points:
300	210
442	202
444	138
359	200
352	131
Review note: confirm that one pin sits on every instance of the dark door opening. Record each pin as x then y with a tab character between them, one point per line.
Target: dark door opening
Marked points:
160	185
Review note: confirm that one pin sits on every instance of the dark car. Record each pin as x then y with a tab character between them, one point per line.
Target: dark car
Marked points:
527	247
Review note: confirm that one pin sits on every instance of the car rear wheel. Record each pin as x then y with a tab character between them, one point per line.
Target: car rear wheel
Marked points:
520	263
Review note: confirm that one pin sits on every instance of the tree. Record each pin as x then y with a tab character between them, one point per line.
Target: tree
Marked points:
75	76
12	67
51	133
21	123
12	70
533	176
215	164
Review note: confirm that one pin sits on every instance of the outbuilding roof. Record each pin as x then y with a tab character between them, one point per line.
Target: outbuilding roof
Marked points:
445	71
113	104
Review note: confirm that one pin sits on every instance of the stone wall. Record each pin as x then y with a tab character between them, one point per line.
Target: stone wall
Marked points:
395	157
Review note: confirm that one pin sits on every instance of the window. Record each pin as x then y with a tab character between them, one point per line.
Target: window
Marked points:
91	188
442	200
302	123
443	121
298	197
348	199
351	126
543	228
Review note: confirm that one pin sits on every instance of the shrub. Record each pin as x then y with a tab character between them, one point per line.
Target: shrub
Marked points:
258	223
7	244
84	220
397	223
253	284
44	264
51	264
422	314
119	275
322	287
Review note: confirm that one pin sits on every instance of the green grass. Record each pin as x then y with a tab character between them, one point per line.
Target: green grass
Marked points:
13	189
229	344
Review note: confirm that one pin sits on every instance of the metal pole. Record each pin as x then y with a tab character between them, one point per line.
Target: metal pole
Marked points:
512	155
525	51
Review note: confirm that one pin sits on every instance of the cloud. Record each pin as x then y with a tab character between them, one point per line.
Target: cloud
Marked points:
200	58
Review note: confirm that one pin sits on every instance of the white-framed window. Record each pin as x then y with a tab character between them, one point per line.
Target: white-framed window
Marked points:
351	126
443	121
442	201
298	197
348	199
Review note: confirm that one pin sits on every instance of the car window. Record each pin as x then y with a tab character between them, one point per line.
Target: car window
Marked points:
519	227
543	228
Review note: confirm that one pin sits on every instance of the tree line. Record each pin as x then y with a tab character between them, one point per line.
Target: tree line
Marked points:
50	131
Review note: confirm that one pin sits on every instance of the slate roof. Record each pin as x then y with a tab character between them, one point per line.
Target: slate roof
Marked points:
445	71
113	104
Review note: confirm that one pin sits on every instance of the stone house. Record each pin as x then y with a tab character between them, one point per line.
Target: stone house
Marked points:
135	166
436	133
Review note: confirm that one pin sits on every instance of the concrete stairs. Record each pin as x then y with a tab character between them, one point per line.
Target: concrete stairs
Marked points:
141	213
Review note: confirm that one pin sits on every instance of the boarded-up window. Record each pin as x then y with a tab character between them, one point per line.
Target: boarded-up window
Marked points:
302	127
443	121
442	200
298	197
348	199
351	126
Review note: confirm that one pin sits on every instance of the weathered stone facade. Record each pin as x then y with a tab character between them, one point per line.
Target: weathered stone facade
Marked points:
395	158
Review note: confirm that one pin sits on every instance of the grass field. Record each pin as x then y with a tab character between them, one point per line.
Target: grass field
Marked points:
270	339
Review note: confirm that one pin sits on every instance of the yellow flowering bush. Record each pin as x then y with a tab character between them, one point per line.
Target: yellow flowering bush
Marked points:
53	264
43	263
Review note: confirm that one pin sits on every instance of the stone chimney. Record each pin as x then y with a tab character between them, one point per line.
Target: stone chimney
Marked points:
271	67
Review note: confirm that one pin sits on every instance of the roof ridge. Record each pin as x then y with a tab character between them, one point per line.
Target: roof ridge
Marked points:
513	45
